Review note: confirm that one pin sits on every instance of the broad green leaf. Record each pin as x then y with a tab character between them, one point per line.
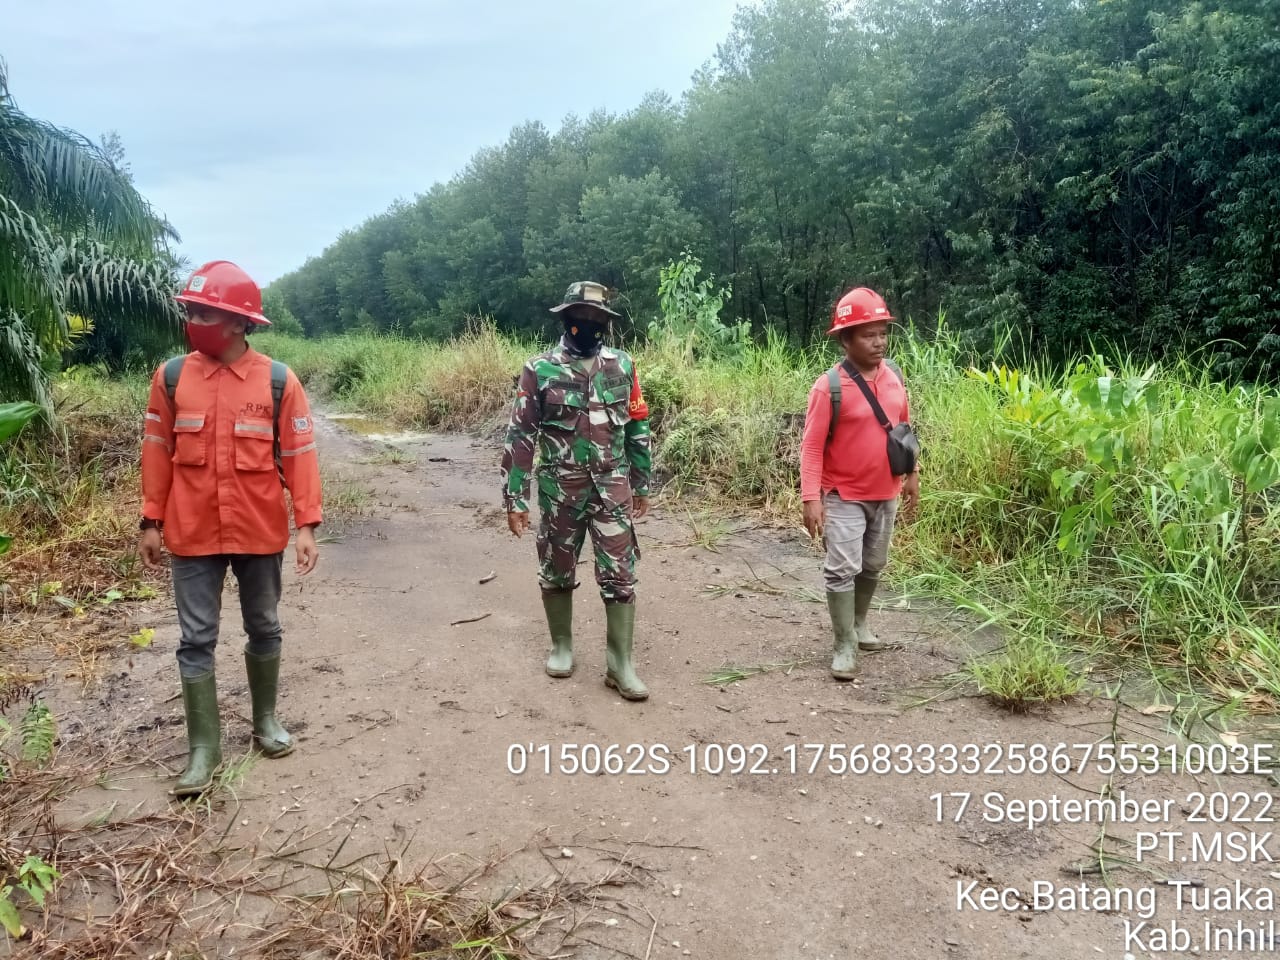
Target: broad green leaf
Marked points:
1066	481
1067	542
37	878
1174	536
15	416
1263	471
1100	448
9	915
1243	451
1269	429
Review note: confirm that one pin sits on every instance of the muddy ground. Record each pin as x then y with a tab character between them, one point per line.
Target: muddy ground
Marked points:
413	679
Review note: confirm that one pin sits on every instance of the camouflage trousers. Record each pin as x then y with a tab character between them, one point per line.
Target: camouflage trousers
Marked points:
570	507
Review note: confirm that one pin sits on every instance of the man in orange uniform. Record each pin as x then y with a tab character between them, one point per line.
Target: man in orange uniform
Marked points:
848	489
226	431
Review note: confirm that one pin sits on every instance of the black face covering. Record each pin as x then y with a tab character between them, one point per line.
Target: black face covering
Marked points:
585	337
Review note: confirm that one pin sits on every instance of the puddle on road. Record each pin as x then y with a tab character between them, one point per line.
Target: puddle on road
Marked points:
377	430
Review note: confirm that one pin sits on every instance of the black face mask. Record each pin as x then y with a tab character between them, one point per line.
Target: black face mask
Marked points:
585	337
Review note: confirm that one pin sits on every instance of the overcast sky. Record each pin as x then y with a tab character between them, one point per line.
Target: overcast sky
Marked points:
263	128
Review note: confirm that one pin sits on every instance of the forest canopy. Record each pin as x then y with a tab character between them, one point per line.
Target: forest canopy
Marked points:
1059	174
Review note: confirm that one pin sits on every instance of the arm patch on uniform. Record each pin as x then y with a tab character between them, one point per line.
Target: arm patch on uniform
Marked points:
637	406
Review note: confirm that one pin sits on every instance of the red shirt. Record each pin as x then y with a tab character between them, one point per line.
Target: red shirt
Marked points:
856	462
208	469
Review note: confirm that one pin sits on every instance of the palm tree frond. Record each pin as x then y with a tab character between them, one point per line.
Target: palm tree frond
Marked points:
128	300
66	176
31	285
22	374
74	236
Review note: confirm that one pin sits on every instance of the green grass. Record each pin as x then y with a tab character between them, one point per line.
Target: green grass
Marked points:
70	498
1109	507
1030	671
723	676
345	498
1103	511
707	530
454	385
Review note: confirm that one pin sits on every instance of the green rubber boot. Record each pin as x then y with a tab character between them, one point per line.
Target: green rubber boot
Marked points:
269	735
559	607
620	631
864	588
204	735
844	661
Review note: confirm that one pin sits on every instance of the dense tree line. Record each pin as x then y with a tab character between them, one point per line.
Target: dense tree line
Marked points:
1051	172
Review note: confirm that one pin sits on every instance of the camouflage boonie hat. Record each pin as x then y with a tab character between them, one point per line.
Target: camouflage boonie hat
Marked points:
589	293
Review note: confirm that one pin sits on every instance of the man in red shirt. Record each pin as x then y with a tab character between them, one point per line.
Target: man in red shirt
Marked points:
227	430
848	490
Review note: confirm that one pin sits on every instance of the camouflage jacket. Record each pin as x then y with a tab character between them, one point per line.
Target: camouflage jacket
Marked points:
587	417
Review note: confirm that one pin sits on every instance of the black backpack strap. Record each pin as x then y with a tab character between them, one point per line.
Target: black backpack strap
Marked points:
833	379
279	379
866	392
172	374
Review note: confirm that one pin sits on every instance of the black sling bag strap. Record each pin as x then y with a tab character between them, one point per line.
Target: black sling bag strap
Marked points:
901	444
856	377
833	379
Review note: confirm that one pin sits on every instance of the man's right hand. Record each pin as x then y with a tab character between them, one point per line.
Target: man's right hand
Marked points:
149	549
518	521
814	518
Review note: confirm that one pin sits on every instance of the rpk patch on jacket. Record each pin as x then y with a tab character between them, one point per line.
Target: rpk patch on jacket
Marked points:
301	424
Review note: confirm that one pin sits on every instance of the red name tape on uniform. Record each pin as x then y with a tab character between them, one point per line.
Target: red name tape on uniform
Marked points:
638	409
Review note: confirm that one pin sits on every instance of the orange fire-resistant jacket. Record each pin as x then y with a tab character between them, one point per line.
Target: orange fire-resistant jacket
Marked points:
208	469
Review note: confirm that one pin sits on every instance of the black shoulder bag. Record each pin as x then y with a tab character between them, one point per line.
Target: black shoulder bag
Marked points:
901	442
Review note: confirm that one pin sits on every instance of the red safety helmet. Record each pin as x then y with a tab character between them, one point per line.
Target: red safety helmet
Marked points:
224	286
859	305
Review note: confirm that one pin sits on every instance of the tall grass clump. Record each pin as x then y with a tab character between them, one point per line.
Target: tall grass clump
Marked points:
726	411
735	431
69	499
1132	508
1104	507
455	384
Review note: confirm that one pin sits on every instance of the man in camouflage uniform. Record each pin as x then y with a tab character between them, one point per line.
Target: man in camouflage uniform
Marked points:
580	404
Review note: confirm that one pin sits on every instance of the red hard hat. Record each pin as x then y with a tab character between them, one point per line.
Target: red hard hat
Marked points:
859	305
224	286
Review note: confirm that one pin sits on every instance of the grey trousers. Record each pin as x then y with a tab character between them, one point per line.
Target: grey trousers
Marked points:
197	588
857	534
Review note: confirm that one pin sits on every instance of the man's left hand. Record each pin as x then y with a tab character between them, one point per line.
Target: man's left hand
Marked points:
639	506
308	553
911	492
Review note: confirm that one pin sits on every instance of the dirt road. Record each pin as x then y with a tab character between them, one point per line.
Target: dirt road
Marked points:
411	721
